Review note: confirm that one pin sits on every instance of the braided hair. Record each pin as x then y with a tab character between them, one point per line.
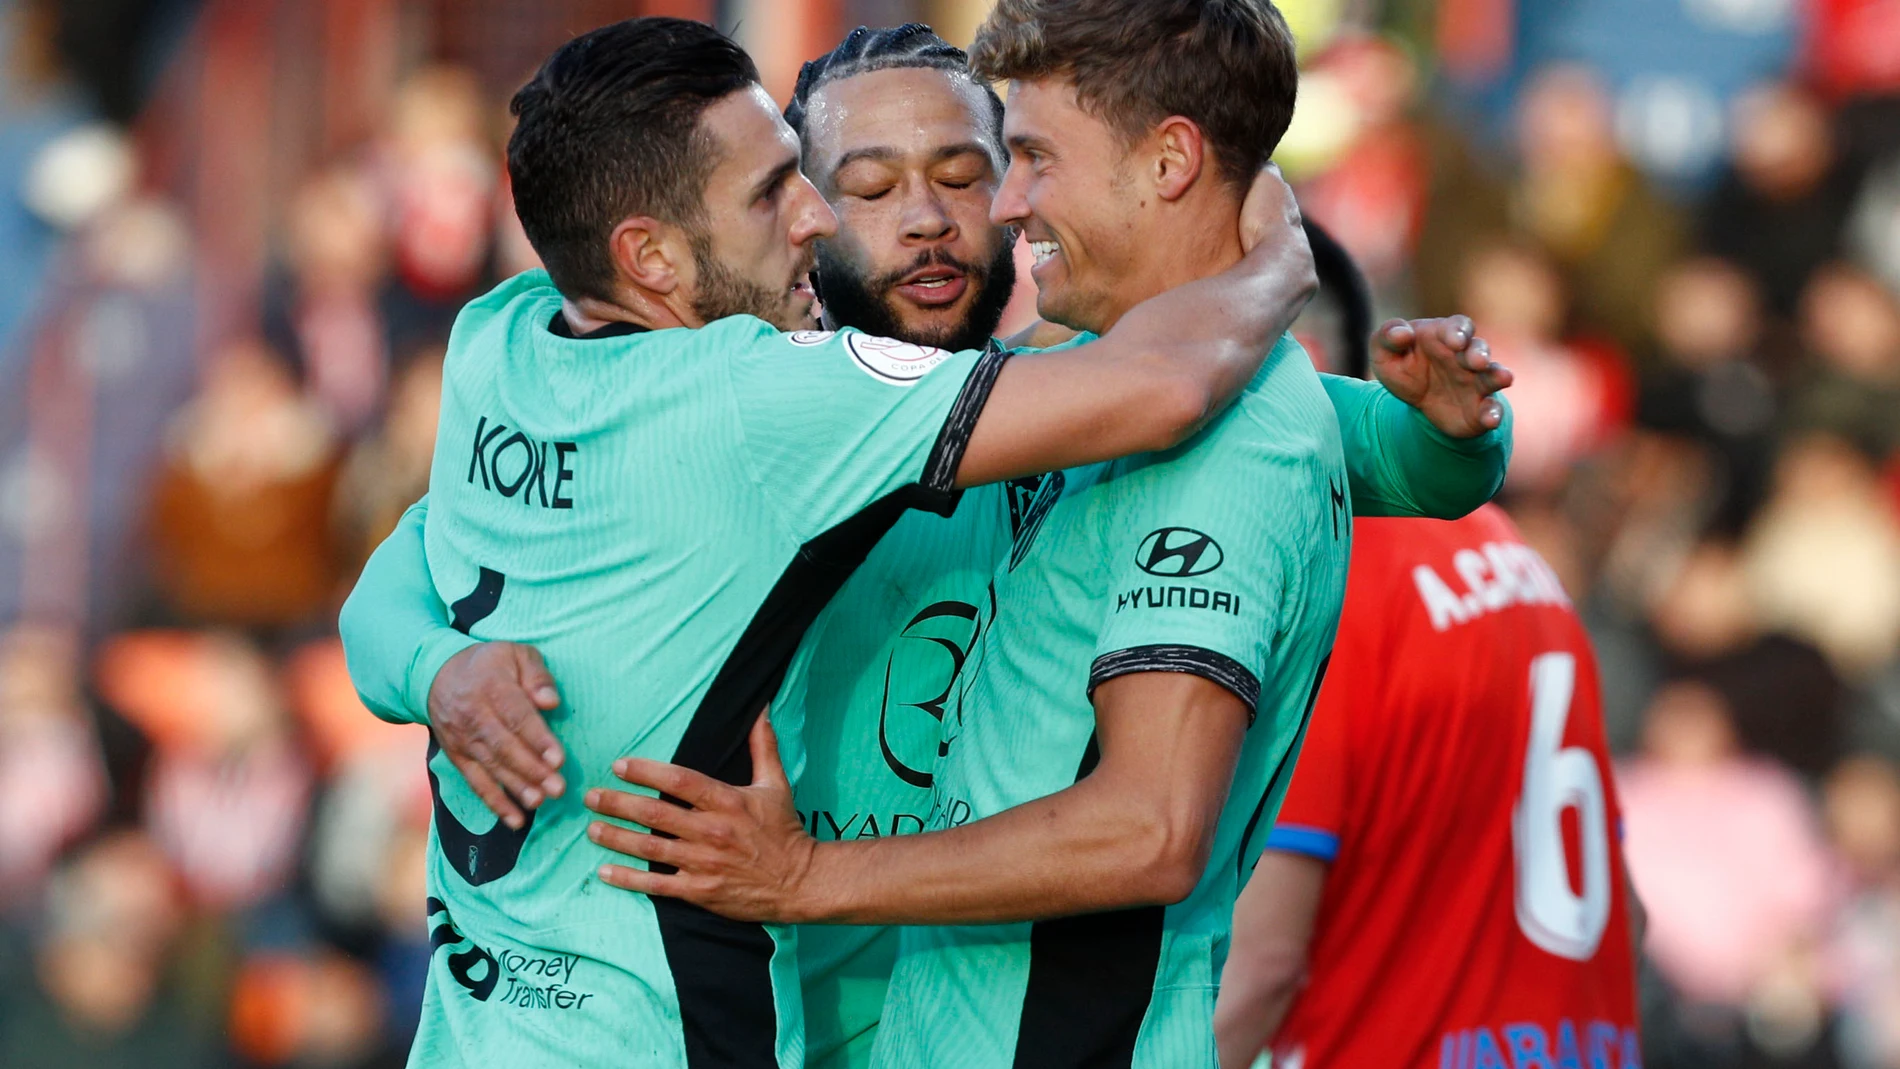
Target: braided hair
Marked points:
912	46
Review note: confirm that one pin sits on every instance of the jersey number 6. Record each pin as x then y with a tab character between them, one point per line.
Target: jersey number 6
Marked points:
1556	778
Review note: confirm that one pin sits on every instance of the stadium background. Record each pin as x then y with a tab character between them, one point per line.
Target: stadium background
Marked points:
235	233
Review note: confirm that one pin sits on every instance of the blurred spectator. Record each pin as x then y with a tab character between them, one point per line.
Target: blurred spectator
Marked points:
1371	192
228	792
52	783
240	519
1573	195
436	166
1780	209
108	994
1823	560
1709	384
389	470
1568	396
1850	326
1863	817
334	322
1723	850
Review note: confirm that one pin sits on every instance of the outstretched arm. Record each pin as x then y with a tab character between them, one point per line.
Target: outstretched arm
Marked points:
1436	440
1135	831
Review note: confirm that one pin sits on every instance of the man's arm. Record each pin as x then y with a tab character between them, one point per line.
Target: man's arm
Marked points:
1135	831
395	629
1171	364
485	711
1266	965
1400	464
1430	438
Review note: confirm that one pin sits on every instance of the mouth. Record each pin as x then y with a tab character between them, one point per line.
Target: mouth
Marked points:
933	286
1044	252
801	288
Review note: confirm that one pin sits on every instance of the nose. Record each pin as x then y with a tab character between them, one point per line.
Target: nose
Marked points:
813	218
1010	207
925	218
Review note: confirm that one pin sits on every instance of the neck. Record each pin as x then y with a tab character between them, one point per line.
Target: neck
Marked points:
1185	243
587	314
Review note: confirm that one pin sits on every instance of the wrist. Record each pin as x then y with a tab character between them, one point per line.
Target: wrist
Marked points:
817	894
435	651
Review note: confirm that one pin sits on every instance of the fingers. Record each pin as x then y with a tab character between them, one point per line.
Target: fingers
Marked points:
525	775
539	683
648	811
646	883
1490	413
655	849
694	788
491	793
1395	336
767	770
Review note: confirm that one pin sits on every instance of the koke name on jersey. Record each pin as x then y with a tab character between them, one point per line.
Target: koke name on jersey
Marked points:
495	451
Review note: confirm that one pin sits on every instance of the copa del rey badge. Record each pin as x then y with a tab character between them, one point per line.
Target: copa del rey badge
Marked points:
897	362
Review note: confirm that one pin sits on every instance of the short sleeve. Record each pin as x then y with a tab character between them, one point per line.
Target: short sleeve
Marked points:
1196	573
835	421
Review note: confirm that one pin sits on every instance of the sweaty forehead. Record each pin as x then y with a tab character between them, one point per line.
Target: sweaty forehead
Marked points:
906	111
749	134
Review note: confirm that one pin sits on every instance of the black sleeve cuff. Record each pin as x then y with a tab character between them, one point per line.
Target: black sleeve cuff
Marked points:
946	456
1194	660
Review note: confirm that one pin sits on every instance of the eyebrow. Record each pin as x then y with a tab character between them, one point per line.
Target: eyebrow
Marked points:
1025	142
886	154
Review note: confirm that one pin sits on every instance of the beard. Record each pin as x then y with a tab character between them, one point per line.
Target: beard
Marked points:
851	299
721	292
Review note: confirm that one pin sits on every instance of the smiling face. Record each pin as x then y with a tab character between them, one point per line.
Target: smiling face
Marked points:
907	159
756	251
1070	188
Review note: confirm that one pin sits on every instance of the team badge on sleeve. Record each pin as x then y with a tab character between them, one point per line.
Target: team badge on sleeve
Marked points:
888	360
808	338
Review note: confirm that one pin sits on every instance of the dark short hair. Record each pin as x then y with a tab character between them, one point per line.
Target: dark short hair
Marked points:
912	46
1227	65
608	128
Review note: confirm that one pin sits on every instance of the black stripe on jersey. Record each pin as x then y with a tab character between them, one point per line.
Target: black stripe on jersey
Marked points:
1276	786
721	968
1194	660
1091	979
940	470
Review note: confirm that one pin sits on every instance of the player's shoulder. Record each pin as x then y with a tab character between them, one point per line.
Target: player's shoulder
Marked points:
754	343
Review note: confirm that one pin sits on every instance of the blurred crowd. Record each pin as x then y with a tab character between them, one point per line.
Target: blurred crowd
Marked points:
211	855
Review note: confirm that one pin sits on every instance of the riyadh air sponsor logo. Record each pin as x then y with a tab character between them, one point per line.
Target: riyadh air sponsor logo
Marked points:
931	651
1177	553
888	360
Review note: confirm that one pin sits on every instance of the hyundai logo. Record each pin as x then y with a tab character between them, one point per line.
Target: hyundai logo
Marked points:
1178	552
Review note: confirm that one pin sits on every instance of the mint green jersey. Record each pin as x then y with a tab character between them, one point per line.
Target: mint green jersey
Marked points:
873	677
1225	558
661	514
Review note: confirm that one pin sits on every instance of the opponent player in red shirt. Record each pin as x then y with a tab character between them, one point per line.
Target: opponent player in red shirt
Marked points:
1445	878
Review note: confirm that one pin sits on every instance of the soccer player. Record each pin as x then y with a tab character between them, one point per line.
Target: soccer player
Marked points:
642	477
1444	885
1187	590
905	146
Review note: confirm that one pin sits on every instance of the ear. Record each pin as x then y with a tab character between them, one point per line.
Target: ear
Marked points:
1180	153
649	254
